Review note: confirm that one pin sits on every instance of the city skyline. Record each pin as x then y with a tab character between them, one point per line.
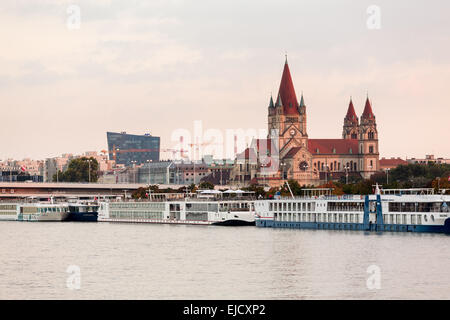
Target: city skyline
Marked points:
140	67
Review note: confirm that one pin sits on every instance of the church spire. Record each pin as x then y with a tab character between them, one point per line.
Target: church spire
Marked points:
302	102
279	102
271	104
368	113
287	91
351	114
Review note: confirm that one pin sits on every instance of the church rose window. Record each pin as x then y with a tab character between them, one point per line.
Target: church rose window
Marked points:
303	166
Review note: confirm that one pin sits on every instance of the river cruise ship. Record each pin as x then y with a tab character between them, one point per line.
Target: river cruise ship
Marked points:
206	208
8	211
400	211
42	211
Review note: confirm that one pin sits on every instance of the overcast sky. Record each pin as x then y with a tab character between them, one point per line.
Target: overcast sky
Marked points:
157	66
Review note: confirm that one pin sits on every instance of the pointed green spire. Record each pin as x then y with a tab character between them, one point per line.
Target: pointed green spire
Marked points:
302	102
271	104
279	102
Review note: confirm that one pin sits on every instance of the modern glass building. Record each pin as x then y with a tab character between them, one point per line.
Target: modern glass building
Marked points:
129	149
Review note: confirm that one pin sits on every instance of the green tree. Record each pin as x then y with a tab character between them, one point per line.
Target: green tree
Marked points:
206	185
140	193
78	171
257	189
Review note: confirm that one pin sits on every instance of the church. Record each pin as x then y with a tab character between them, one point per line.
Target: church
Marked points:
289	153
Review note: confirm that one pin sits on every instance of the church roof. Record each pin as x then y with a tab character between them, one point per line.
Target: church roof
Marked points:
368	113
333	146
392	163
287	92
291	153
351	114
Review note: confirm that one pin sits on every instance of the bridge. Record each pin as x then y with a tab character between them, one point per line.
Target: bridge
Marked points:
18	190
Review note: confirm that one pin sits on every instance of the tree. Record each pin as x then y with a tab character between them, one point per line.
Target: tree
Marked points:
206	185
78	171
257	189
442	183
140	193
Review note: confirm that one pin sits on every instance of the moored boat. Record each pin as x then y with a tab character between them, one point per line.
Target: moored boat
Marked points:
42	211
181	209
379	212
83	212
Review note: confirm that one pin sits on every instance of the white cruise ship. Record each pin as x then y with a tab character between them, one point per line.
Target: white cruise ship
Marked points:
8	211
380	212
181	209
41	211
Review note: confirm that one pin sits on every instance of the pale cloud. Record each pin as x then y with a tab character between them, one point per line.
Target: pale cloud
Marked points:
236	55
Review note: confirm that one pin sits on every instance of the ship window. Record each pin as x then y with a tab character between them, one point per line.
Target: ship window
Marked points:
425	218
432	218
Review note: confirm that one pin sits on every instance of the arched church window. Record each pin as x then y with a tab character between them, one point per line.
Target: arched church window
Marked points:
354	166
354	136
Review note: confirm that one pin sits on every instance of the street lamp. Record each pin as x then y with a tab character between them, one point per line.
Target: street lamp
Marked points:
89	173
283	166
346	174
134	173
304	166
149	184
148	162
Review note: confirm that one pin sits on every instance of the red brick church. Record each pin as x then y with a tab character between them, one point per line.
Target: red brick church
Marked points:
288	152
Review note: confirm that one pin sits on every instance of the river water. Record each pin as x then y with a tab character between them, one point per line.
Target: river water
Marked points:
144	261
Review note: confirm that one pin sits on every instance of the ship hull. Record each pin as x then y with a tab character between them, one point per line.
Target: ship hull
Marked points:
83	217
53	217
234	223
354	226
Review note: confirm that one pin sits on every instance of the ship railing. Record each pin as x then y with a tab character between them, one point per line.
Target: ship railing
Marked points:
324	197
187	199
